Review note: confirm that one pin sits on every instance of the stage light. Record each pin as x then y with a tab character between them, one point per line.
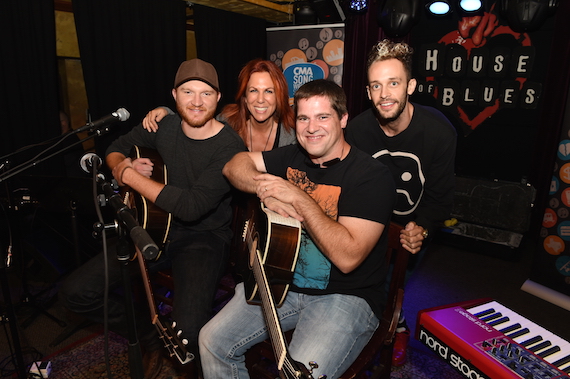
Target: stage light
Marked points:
470	5
304	13
328	11
358	6
527	15
439	7
398	17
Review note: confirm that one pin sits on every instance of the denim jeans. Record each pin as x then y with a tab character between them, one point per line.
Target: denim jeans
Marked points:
198	261
329	329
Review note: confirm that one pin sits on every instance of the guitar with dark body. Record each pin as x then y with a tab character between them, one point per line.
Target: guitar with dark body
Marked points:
151	217
278	238
157	223
272	245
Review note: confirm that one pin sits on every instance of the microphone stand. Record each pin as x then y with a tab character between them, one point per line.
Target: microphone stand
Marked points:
135	353
147	248
37	160
11	318
5	261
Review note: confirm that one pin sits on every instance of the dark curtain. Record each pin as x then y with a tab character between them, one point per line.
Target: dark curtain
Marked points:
555	94
28	84
362	32
228	41
130	51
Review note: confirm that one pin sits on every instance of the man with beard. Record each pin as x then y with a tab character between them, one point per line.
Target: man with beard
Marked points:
194	147
416	142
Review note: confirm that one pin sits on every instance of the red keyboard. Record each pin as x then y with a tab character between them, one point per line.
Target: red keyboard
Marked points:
484	339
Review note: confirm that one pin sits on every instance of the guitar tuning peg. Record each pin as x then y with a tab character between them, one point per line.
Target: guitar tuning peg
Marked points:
184	341
313	365
178	333
173	324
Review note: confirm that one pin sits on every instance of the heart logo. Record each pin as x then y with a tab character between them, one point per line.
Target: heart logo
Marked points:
475	32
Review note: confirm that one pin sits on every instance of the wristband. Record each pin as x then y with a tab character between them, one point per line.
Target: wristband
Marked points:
123	173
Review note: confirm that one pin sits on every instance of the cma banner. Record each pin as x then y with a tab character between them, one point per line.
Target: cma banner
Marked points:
306	53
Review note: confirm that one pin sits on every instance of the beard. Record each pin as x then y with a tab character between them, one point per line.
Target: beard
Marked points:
387	118
196	122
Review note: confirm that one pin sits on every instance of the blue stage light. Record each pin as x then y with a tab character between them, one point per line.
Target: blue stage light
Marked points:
358	6
439	7
470	5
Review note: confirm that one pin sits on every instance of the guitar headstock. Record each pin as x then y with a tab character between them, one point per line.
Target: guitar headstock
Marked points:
171	339
294	370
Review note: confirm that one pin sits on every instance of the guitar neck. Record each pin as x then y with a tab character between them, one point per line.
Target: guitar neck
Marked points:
165	330
287	232
147	286
269	311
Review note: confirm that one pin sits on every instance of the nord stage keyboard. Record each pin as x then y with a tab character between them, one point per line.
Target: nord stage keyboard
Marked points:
484	339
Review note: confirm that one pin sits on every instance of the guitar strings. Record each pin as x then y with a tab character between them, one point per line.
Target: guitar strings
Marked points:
269	310
270	315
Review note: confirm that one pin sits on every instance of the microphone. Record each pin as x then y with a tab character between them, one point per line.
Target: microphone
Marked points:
139	235
90	161
120	114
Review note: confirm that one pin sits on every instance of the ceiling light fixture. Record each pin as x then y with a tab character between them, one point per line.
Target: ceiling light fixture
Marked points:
438	7
527	15
398	17
470	5
304	13
358	6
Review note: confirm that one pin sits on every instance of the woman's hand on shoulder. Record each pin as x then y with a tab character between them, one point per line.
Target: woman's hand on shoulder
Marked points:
150	122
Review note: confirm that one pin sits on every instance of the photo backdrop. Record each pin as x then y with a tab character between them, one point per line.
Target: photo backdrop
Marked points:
306	53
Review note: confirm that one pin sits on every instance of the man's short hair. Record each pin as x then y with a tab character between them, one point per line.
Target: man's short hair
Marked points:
326	88
387	49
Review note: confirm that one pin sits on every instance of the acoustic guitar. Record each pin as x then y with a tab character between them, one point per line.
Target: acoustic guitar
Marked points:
277	237
152	218
157	223
273	241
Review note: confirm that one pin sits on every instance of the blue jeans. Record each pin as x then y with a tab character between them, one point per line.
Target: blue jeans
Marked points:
198	261
329	329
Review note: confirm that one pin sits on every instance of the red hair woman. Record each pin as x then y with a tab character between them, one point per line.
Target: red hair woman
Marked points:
261	114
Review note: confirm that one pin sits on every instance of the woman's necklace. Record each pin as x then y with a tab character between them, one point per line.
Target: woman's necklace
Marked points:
251	137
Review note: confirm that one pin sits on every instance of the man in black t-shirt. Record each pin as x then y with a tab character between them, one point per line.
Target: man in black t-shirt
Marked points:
344	199
416	142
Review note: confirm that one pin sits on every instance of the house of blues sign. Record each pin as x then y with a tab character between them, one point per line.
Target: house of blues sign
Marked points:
488	80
